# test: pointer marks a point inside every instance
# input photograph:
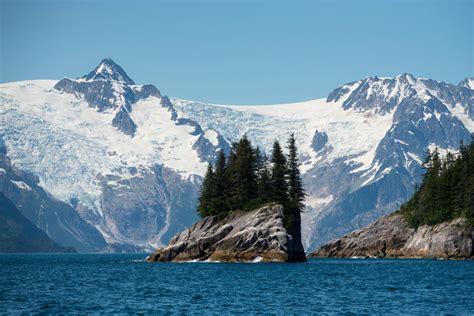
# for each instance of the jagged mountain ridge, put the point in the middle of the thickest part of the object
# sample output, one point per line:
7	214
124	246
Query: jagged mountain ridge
129	160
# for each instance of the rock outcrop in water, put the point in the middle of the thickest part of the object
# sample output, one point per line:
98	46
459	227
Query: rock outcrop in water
390	237
257	235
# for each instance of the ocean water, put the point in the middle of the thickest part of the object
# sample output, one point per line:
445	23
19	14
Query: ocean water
98	283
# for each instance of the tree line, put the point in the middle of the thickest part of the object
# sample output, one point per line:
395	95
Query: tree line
247	179
447	189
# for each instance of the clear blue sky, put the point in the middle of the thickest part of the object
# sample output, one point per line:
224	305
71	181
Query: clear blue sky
238	52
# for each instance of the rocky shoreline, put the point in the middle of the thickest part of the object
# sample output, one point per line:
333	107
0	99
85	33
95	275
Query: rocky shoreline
391	237
254	236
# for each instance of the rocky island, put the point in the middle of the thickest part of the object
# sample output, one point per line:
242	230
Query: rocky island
437	222
250	210
391	237
258	235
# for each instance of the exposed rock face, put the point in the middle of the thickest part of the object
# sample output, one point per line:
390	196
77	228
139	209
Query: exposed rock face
320	139
391	237
258	235
108	95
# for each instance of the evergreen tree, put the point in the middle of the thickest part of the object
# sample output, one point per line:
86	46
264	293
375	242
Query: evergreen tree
264	182
469	187
296	192
432	189
244	175
460	199
232	177
258	161
208	192
220	202
247	180
278	176
447	189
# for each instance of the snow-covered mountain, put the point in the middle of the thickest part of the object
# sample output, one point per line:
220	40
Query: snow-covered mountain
361	148
114	151
129	161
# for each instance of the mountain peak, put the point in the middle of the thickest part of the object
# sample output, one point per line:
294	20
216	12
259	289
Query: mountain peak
467	83
109	70
409	78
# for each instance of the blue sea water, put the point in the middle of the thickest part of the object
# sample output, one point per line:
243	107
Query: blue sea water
124	283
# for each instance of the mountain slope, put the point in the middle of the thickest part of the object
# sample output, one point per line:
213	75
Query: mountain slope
361	148
114	151
57	219
17	234
130	161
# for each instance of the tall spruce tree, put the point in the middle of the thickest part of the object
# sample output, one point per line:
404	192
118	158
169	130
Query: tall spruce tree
244	174
296	192
232	177
220	202
278	176
208	193
264	183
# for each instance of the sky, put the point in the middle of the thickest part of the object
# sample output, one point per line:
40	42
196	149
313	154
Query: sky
238	52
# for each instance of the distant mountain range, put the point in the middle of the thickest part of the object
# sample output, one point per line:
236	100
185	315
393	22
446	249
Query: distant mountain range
103	164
